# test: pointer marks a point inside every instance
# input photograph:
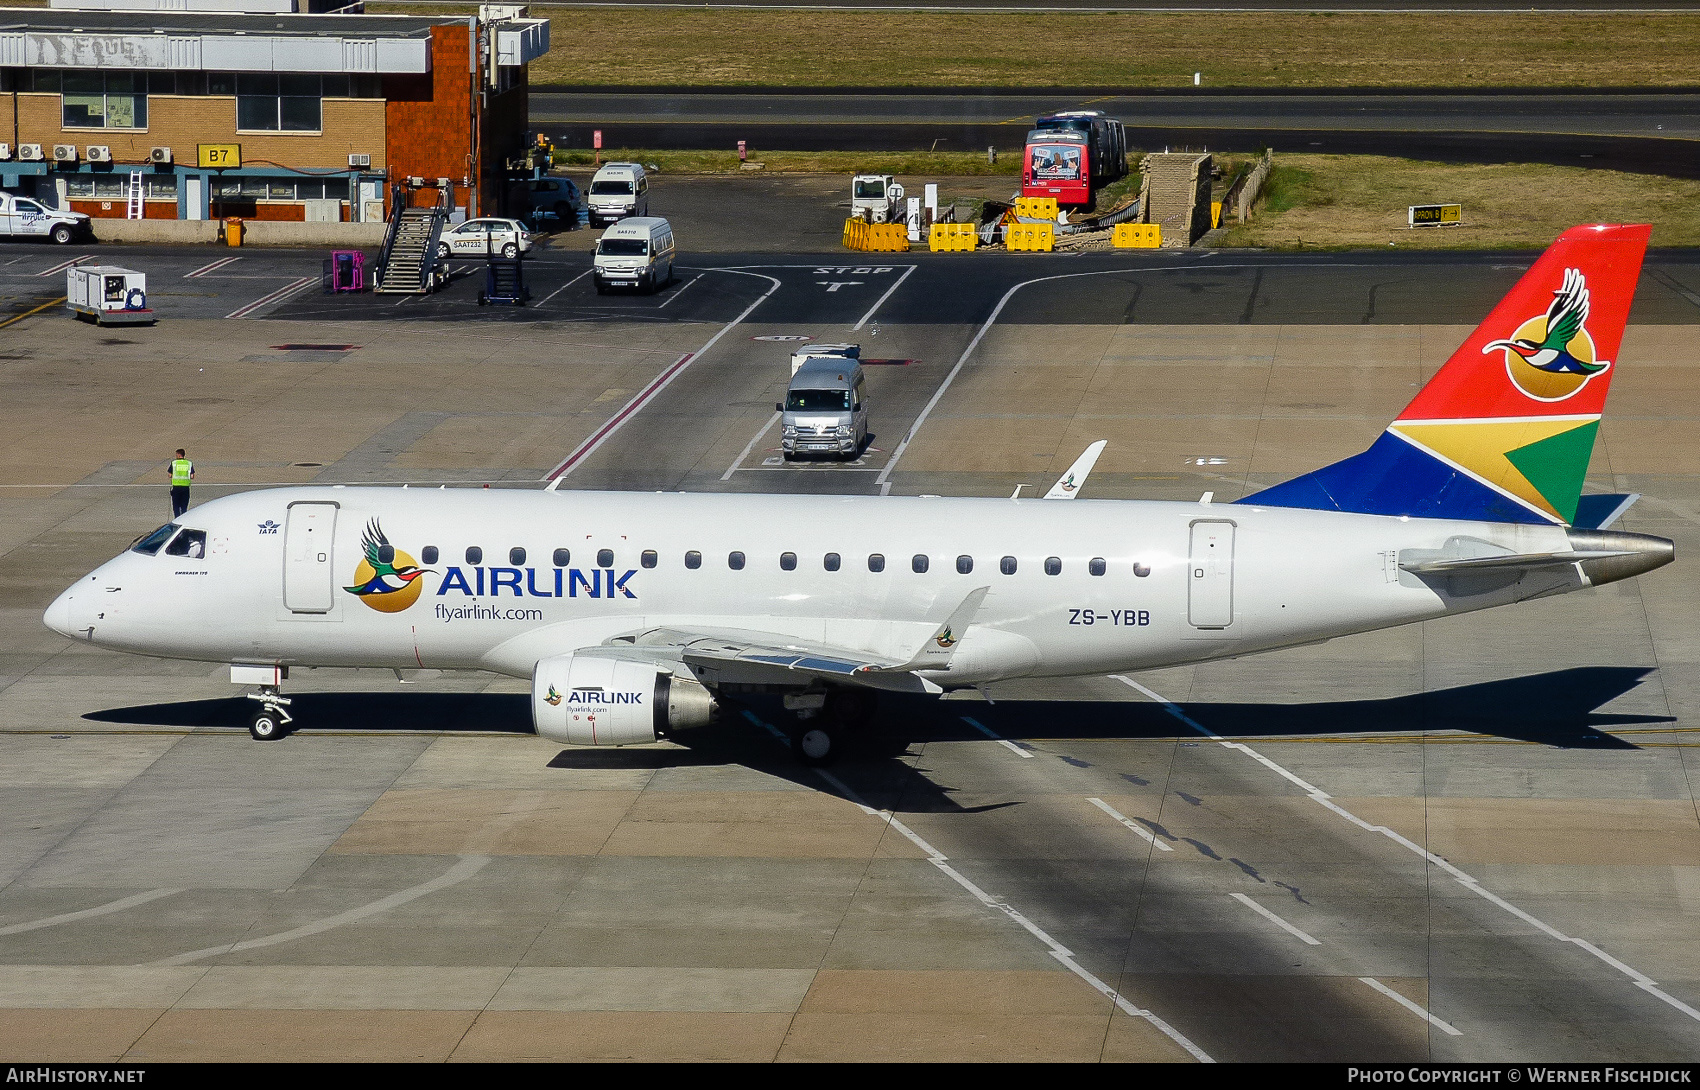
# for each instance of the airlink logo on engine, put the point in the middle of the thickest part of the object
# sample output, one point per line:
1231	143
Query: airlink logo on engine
601	696
565	582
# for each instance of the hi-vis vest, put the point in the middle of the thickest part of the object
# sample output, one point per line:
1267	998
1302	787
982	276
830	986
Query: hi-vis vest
181	470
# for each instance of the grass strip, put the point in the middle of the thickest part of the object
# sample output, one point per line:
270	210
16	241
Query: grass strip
1337	202
776	48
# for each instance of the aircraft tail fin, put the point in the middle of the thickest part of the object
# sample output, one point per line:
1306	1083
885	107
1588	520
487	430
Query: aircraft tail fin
1504	430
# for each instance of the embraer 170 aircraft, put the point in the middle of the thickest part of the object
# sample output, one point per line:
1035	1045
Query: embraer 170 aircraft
633	615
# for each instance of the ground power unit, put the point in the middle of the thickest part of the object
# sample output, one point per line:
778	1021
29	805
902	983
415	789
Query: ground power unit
108	295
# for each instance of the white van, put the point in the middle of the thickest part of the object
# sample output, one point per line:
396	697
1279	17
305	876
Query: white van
618	190
634	253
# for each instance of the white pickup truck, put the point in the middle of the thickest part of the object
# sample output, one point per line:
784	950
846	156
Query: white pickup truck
21	217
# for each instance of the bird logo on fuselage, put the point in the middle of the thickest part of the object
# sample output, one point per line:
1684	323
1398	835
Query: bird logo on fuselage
386	578
1551	357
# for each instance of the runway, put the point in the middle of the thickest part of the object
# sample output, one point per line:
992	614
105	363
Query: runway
1651	133
1468	840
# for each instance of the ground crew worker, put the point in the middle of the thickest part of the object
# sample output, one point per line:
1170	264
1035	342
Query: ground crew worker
182	472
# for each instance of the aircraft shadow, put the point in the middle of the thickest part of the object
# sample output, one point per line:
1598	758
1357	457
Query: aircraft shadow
1557	709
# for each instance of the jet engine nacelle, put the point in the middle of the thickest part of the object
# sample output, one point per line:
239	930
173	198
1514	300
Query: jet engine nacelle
594	701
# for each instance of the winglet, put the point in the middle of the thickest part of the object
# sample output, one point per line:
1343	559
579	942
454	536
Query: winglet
935	653
1068	485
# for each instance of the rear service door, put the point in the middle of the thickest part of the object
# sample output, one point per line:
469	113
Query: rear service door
1210	575
309	534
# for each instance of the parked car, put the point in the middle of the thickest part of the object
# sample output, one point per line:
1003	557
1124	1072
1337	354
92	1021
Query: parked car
558	197
21	217
485	237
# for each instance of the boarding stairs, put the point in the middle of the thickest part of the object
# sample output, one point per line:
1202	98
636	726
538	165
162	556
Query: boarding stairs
408	264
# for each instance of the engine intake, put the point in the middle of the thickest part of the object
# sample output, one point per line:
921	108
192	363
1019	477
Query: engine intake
594	701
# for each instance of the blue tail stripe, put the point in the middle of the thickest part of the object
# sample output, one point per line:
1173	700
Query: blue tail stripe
1393	477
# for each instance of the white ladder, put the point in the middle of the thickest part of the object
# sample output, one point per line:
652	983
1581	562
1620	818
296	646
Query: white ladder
134	209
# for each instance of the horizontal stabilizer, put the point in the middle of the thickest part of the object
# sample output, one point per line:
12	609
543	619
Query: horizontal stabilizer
1470	565
1599	512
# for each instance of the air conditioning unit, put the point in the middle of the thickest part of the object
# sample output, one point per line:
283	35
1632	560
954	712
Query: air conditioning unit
5	152
160	155
99	153
359	160
64	153
30	153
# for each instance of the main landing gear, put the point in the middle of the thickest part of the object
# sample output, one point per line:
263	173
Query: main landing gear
272	721
824	719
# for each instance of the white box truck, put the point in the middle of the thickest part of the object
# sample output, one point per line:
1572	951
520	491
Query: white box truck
108	295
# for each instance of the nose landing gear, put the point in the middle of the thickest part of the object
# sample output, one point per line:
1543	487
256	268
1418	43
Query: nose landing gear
272	721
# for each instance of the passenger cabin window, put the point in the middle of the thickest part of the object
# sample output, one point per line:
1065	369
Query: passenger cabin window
649	558
964	564
605	558
918	562
1141	570
149	544
735	561
876	562
562	557
516	556
474	555
788	561
832	561
693	560
1007	565
428	554
1096	565
1053	565
189	543
386	554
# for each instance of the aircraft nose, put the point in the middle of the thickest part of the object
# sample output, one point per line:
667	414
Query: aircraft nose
58	615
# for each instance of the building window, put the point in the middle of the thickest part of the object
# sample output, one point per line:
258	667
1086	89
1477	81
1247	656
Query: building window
100	100
162	186
273	103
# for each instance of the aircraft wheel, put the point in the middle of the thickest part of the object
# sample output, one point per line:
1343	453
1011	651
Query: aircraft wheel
851	708
266	726
813	743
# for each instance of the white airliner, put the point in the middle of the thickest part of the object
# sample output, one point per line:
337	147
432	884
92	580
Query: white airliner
633	614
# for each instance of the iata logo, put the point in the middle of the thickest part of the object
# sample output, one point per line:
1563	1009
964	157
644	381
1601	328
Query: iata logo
1551	357
387	579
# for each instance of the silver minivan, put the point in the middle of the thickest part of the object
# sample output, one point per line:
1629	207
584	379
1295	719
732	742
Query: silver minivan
618	190
825	410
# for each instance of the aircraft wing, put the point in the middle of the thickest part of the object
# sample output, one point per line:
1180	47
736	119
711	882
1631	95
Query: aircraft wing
741	656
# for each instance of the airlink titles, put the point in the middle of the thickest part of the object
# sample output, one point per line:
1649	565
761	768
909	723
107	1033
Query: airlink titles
523	582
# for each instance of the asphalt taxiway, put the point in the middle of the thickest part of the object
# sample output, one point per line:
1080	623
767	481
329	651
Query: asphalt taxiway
1474	839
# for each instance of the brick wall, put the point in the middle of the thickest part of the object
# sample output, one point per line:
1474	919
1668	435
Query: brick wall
351	125
427	119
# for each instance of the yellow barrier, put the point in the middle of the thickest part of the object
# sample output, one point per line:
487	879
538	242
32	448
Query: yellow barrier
1215	214
881	237
953	237
1137	236
1036	208
1038	237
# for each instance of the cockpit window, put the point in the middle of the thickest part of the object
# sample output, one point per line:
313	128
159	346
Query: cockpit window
149	545
189	543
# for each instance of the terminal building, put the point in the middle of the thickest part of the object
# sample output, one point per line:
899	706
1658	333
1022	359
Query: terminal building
264	109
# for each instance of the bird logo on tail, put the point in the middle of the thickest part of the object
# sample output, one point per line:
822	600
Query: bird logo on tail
1551	357
386	578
